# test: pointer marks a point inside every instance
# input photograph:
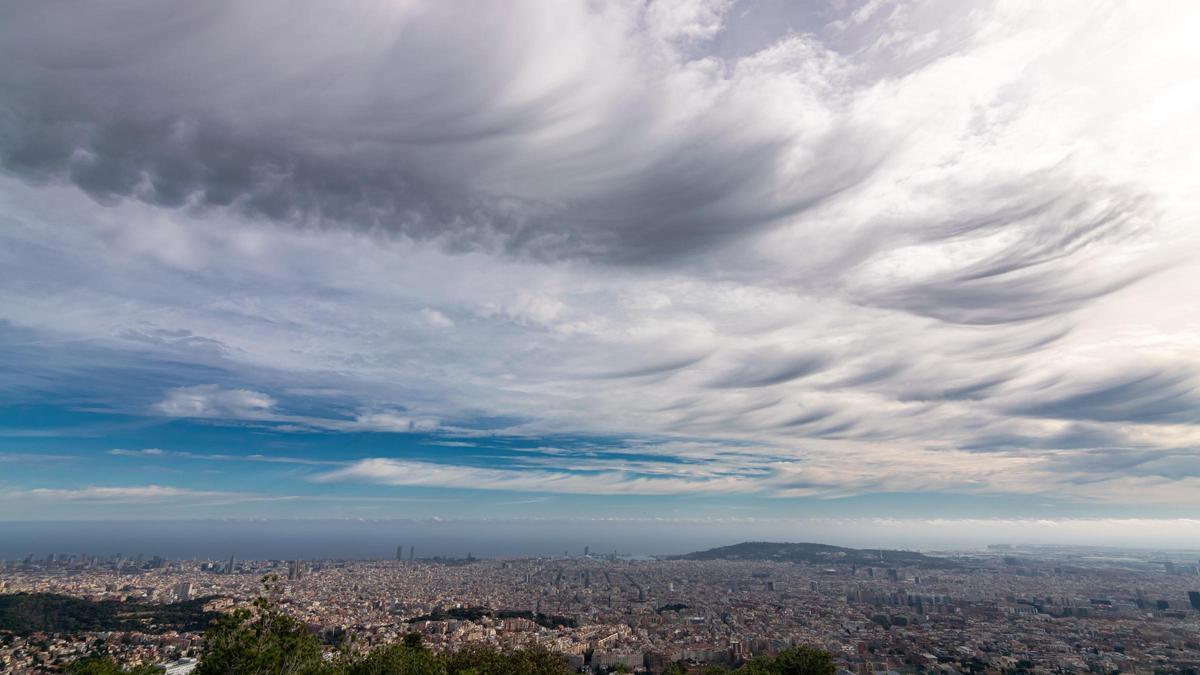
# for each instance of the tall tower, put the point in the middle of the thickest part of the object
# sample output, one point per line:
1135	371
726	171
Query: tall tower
400	552
232	565
412	552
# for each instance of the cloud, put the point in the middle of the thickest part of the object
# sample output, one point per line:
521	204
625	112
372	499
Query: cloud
436	319
32	458
135	494
210	400
918	247
214	401
426	474
762	368
156	453
471	139
1146	395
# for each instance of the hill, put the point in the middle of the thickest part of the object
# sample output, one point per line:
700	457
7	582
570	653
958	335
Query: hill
25	613
818	554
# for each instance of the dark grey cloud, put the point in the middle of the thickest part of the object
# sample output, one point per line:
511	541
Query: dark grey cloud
972	389
1150	395
657	368
809	417
1051	219
400	121
1077	436
770	367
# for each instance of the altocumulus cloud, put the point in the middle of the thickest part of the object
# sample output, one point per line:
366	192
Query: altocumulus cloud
897	247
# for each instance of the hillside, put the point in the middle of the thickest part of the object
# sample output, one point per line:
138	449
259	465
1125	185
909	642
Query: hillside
25	613
818	554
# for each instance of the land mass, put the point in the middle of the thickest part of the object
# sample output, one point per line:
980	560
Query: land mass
818	554
26	613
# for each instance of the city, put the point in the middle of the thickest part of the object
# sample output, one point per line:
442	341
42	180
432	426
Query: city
1004	609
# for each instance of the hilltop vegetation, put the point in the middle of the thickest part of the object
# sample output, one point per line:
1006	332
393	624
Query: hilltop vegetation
25	613
818	554
477	613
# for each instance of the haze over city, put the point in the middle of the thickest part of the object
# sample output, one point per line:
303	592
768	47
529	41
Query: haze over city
654	276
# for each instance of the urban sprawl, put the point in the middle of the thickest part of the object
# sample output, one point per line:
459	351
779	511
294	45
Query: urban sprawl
1000	610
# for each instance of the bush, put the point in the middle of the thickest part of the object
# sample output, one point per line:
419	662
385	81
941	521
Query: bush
103	665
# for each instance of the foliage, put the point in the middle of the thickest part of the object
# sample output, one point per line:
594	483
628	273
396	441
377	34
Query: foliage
261	642
26	613
672	607
544	620
480	661
477	613
103	665
408	657
794	661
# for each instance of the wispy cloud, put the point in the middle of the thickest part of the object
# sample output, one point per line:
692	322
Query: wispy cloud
211	401
221	457
135	494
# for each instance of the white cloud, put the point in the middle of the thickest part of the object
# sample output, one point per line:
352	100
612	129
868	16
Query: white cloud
427	474
135	494
157	453
210	400
436	319
213	401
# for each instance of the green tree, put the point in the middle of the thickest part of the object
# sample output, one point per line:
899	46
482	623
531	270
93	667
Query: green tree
407	657
104	665
793	661
483	661
261	642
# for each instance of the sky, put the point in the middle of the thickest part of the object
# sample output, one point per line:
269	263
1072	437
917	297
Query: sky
720	261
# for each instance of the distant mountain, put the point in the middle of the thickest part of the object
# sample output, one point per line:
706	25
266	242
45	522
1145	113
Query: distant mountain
818	554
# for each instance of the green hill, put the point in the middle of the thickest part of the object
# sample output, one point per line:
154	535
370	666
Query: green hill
819	554
25	613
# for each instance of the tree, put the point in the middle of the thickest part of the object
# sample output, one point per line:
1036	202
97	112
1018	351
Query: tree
104	665
407	657
261	642
482	661
793	661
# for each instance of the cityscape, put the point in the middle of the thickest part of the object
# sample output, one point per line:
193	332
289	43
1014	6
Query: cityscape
1000	609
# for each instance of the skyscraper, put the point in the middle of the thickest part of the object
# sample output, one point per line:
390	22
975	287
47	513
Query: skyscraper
412	552
232	567
1194	598
400	552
